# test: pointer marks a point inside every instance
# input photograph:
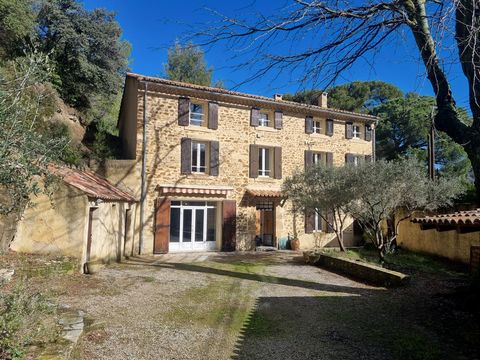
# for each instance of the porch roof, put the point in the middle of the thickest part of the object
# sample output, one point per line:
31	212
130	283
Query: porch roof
171	189
265	193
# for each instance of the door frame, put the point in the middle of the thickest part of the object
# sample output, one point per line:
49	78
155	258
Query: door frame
259	219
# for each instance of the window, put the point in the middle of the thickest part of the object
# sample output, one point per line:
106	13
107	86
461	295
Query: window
199	155
263	119
356	160
196	114
317	158
356	131
264	162
318	221
317	126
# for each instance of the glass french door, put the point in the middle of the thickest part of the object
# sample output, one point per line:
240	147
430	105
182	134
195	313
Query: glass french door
192	226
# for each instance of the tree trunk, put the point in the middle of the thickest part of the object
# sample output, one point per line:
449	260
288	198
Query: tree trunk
340	241
447	118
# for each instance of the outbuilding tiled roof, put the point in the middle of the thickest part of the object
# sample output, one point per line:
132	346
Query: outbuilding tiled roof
91	184
469	217
229	94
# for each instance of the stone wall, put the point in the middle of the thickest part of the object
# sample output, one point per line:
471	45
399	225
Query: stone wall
234	134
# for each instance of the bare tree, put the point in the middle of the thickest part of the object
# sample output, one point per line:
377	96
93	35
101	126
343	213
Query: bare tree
328	37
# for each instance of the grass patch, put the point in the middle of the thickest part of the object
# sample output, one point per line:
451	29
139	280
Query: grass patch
402	260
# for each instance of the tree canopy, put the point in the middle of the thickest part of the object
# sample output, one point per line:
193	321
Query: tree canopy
187	64
90	57
322	39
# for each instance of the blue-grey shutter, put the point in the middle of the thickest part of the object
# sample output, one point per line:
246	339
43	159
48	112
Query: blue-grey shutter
348	130
309	125
349	158
186	156
253	168
308	159
183	111
277	160
329	127
278	120
329	156
213	115
214	158
254	117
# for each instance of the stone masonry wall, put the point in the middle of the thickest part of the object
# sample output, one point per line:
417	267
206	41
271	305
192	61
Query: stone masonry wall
234	134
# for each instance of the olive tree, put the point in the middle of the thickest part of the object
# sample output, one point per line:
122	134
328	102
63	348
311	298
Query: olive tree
325	190
385	187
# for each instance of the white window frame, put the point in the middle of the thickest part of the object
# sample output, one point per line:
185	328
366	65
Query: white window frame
317	129
317	158
194	121
197	169
356	131
262	165
318	222
204	206
264	121
356	160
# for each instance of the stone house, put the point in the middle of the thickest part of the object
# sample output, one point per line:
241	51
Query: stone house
210	163
87	217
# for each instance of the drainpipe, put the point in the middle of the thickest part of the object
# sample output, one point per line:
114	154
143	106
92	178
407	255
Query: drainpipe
374	156
144	170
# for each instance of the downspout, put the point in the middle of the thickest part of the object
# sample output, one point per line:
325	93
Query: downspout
144	169
374	156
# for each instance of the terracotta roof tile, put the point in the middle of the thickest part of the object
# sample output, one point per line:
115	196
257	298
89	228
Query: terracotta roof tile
265	193
292	104
469	217
91	184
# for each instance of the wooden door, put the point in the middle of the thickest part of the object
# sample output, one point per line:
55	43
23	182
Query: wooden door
162	226
229	226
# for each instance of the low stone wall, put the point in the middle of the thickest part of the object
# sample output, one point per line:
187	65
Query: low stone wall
371	274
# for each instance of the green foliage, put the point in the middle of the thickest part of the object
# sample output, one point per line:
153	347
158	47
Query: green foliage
383	187
358	96
90	57
403	132
27	144
24	320
17	25
187	64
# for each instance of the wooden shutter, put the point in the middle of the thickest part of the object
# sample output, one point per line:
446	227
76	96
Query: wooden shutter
277	158
213	115
162	226
349	158
368	132
330	219
183	111
253	161
278	120
308	159
368	158
186	156
229	225
254	116
348	130
329	127
309	222
214	158
329	156
309	125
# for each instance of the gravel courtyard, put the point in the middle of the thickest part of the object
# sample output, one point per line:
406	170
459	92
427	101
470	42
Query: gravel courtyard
260	306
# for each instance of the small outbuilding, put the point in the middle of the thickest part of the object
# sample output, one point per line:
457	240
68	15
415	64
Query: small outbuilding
87	217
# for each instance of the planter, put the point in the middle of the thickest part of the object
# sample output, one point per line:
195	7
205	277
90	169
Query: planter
295	244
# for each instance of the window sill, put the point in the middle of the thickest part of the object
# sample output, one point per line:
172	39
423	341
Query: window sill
319	135
196	174
264	179
266	128
199	128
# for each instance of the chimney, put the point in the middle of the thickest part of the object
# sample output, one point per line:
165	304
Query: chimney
323	99
277	97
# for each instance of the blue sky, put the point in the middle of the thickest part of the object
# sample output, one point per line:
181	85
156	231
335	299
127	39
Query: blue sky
152	26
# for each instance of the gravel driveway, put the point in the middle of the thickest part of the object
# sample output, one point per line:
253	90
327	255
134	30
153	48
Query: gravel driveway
257	306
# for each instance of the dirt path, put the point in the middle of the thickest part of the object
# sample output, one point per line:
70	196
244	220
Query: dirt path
259	306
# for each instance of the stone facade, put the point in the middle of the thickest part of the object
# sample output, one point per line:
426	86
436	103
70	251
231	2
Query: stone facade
234	135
